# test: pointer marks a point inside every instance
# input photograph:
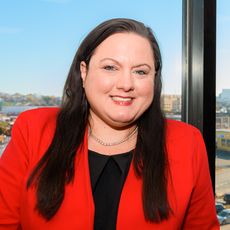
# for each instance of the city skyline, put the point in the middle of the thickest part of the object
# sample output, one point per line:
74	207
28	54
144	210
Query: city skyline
223	91
38	40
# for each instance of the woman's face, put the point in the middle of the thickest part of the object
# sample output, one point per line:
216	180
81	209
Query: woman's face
119	81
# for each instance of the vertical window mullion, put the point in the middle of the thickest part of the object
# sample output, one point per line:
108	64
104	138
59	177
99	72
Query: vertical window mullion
198	64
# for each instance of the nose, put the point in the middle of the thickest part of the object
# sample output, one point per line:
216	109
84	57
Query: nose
125	81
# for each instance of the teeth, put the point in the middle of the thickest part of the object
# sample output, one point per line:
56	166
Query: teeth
121	99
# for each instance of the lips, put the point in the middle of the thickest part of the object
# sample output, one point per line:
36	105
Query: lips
120	100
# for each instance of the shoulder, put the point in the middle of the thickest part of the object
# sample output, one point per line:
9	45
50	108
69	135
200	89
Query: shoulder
38	115
184	142
36	119
33	131
178	130
42	113
185	146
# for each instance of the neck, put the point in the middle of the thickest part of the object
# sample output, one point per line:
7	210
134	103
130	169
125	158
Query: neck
119	139
108	131
117	142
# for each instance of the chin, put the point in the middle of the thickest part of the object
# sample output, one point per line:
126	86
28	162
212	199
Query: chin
123	121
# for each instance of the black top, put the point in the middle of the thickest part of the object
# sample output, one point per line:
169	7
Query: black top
108	174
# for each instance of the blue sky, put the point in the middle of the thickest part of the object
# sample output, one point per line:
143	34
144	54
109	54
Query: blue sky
223	45
38	38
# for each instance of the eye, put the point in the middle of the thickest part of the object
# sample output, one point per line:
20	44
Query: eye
140	72
109	68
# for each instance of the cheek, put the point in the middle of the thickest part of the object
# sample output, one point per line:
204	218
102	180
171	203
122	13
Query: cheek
149	96
146	90
99	83
146	94
105	85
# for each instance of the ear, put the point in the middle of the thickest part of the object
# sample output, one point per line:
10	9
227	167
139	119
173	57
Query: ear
83	69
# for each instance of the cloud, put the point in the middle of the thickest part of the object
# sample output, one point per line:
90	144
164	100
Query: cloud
9	30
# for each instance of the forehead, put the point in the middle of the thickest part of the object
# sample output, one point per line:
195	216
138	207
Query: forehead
125	46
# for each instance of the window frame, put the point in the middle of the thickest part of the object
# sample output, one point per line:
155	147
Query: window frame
199	71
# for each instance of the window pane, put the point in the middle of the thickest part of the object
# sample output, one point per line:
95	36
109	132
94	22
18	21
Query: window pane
36	52
223	106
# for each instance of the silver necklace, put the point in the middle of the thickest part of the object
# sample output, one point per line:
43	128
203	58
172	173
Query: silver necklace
112	143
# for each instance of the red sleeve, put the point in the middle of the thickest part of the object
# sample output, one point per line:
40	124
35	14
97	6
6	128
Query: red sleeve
13	166
201	213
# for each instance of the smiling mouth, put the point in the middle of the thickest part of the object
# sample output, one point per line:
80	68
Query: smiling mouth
125	99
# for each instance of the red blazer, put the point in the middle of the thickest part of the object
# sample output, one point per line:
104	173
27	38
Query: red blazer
190	192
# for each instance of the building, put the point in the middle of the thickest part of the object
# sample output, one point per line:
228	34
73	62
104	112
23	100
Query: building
1	103
222	121
223	139
171	103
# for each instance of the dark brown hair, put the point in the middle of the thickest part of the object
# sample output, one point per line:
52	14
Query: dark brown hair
56	168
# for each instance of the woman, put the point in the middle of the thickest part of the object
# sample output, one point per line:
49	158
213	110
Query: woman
107	159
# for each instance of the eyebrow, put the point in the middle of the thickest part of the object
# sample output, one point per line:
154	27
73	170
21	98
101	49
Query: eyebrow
111	59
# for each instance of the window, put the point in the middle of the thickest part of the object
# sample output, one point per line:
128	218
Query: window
36	52
223	101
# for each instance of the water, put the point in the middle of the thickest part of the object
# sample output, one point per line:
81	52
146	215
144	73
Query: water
16	109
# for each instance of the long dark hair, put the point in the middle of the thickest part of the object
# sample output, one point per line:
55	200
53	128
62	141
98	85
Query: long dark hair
56	167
